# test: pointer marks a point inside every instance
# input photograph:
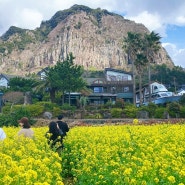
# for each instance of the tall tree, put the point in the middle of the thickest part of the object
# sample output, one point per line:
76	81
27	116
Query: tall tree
49	84
71	76
132	45
52	82
64	76
21	84
140	63
141	49
152	46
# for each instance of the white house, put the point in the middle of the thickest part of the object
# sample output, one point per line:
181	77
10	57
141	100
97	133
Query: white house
181	92
4	79
42	73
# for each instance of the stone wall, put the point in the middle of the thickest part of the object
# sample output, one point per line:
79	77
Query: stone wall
88	122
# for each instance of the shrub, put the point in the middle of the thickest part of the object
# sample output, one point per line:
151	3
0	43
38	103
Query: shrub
119	103
6	109
130	111
17	113
151	109
159	112
66	106
94	116
48	106
98	116
6	120
35	109
116	112
182	100
173	109
108	105
182	112
56	111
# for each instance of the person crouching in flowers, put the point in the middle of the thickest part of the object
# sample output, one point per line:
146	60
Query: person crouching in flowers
55	136
26	130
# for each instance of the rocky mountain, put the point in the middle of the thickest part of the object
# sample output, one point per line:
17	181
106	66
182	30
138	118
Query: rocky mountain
94	36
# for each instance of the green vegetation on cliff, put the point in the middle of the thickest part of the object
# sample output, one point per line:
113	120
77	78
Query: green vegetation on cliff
23	37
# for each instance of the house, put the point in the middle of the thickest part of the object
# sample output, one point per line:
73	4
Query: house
181	92
113	85
4	80
42	73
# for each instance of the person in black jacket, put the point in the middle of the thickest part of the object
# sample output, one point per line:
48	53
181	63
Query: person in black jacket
54	136
62	125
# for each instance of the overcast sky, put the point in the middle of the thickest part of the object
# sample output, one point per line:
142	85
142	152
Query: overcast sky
166	17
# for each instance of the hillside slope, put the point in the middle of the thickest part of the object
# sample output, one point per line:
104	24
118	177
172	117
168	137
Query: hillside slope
94	36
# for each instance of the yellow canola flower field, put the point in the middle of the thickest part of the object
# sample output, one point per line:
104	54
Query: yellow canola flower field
126	155
97	155
28	161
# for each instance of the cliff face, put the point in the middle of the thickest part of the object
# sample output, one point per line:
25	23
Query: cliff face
95	37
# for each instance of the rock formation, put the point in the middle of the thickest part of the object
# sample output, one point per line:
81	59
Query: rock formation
94	36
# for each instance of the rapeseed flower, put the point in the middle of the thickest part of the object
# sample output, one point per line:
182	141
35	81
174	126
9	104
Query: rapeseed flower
171	179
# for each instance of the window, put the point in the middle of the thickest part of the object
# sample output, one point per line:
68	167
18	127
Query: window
98	89
98	82
113	90
125	89
155	88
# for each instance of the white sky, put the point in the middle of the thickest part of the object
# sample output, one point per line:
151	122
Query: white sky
166	17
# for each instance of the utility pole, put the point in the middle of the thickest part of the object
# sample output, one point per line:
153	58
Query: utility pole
149	81
174	84
134	79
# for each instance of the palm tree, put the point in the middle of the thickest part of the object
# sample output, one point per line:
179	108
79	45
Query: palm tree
132	45
48	84
140	63
152	46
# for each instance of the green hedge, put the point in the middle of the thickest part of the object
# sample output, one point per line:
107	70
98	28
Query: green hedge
11	118
116	112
